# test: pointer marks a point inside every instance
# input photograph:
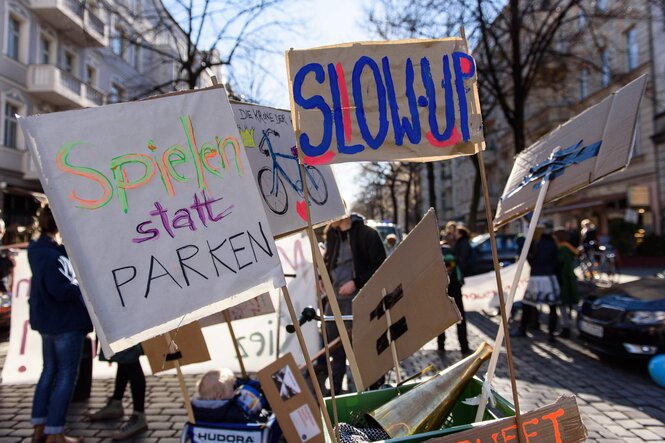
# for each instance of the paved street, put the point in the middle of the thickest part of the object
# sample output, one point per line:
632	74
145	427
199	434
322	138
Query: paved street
618	400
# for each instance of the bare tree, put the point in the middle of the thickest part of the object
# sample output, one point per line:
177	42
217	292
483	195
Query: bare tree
194	36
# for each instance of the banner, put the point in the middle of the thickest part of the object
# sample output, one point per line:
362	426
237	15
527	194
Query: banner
592	145
414	100
157	209
270	144
479	291
257	336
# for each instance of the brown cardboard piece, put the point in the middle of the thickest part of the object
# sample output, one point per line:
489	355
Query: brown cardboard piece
612	122
260	305
339	88
291	401
191	344
554	423
419	313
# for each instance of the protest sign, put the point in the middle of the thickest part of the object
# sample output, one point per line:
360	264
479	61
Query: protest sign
190	343
553	423
158	210
270	144
291	401
597	142
413	100
480	291
257	336
415	281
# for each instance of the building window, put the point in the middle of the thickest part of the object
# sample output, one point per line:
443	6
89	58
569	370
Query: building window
605	68
601	5
633	50
11	126
90	75
582	20
45	45
117	94
584	84
13	38
69	61
119	43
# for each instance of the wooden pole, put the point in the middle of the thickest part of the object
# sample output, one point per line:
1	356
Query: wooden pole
393	346
489	376
227	318
326	350
278	335
181	380
308	362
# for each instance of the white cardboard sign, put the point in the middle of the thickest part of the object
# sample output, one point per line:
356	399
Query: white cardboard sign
270	143
158	209
592	145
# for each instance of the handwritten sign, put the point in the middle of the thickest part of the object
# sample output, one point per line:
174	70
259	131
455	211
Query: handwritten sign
270	143
480	293
412	286
554	423
413	100
158	209
594	144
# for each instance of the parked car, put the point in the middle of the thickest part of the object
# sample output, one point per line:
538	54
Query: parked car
481	253
626	320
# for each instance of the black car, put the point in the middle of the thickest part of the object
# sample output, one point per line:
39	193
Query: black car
481	253
626	320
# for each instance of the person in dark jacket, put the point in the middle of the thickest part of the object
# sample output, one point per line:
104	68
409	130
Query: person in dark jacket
543	286
455	282
354	251
57	312
462	248
567	279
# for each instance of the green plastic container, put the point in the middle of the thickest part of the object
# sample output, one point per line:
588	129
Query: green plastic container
351	409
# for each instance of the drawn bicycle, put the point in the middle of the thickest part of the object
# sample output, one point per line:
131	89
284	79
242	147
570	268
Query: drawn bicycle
271	180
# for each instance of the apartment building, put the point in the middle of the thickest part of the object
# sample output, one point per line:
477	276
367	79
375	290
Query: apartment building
58	55
619	50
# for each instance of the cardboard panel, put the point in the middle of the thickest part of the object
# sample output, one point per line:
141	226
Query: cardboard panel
260	305
190	342
374	101
268	137
158	210
597	142
554	423
293	404
419	313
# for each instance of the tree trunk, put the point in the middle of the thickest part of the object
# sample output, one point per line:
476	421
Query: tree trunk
393	198
407	200
431	185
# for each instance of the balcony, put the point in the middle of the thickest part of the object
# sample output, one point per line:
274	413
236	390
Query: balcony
52	84
74	20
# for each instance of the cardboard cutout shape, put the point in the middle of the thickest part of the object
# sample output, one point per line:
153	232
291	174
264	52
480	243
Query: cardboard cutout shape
191	347
415	282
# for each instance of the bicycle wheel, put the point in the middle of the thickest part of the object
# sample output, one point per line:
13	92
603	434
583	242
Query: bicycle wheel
273	191
316	186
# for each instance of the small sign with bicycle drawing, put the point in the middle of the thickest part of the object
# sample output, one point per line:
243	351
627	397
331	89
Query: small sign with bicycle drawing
269	141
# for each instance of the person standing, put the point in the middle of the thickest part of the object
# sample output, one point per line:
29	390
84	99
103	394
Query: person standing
354	251
543	286
57	312
450	234
455	282
462	249
567	279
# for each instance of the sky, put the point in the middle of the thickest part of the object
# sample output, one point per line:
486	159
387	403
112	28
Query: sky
326	22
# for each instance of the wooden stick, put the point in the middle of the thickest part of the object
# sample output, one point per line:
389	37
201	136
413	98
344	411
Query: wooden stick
326	349
308	362
333	344
227	317
393	346
181	380
279	324
502	304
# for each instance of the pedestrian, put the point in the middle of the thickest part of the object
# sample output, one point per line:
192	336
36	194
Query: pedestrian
462	249
391	243
6	262
455	283
543	286
129	371
57	312
354	251
567	279
588	235
450	234
573	233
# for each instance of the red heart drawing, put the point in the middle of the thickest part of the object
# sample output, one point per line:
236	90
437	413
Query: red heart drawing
301	209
